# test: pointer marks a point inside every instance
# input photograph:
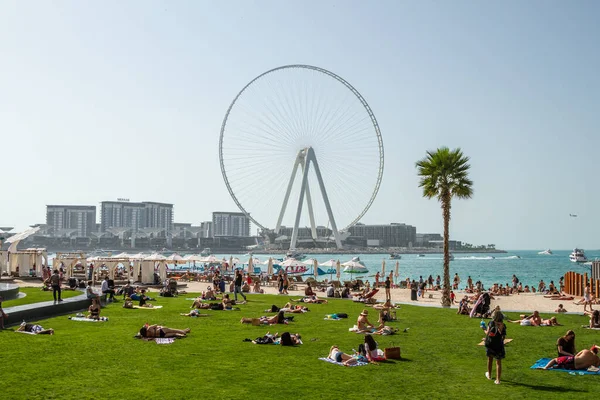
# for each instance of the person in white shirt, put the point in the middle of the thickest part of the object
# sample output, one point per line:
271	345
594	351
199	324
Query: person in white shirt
107	290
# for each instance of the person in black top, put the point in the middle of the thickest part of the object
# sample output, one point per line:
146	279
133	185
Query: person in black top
388	285
238	285
55	282
566	344
494	345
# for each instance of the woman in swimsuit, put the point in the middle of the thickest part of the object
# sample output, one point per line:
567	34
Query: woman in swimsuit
337	355
158	331
94	309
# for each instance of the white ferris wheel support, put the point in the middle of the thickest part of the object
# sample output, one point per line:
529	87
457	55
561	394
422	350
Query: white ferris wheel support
304	159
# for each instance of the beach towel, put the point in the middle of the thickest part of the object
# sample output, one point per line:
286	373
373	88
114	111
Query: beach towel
482	343
83	319
541	363
29	333
588	327
329	360
164	340
355	330
147	308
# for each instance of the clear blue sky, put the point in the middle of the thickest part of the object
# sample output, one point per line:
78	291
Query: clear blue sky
100	100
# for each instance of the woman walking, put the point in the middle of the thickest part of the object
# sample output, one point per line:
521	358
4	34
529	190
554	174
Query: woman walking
494	345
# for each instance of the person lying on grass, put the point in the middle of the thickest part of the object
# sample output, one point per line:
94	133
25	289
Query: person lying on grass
158	331
337	355
385	306
279	318
529	320
594	318
34	328
194	313
286	339
291	308
583	360
310	299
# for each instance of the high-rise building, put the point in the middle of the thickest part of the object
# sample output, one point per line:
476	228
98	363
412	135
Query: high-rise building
230	224
392	235
124	214
206	229
70	220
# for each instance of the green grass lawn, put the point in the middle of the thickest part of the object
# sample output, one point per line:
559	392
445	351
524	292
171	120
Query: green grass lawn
440	358
35	295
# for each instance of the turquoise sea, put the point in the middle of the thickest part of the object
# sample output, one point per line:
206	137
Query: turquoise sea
489	268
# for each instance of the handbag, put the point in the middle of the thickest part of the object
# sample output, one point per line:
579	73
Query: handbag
392	353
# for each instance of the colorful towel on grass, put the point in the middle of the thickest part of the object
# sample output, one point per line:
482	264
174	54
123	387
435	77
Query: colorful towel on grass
541	363
147	308
164	340
329	360
83	319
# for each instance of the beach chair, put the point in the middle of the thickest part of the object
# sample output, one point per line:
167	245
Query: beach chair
368	298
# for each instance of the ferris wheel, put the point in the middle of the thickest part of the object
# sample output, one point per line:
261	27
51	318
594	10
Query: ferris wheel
294	132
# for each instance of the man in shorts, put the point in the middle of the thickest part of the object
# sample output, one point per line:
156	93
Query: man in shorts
583	360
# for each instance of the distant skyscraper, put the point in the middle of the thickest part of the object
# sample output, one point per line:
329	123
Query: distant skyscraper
64	220
147	214
206	229
230	224
392	235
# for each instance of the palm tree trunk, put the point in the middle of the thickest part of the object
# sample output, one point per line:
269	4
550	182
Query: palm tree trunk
446	214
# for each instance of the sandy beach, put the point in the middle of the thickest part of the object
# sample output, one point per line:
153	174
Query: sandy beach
524	302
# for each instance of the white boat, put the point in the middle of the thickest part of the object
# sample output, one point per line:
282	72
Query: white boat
206	252
547	252
295	255
578	256
395	256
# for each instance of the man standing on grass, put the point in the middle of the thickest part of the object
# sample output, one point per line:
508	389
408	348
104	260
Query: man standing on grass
55	283
238	285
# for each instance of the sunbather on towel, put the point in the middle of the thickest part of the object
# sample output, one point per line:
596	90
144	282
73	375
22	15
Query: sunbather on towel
94	309
34	328
193	313
279	318
158	331
291	308
310	299
531	320
582	360
363	323
385	306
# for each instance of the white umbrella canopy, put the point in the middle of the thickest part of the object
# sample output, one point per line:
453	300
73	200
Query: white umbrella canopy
310	261
138	256
270	266
210	259
192	257
155	257
91	259
331	263
396	274
292	262
121	255
175	259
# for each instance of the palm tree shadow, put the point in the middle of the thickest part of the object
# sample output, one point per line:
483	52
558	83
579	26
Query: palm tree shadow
545	388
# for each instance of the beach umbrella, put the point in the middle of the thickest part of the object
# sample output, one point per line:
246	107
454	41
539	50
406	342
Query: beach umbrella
174	259
330	264
121	255
338	268
397	269
309	262
383	267
155	257
250	266
231	262
316	268
292	262
270	267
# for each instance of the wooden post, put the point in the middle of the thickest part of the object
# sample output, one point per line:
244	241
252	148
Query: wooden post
568	288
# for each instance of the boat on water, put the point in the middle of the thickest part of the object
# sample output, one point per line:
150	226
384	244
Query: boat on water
578	256
547	252
206	252
395	256
421	255
295	255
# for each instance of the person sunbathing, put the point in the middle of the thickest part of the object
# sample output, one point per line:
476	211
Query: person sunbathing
550	322
337	355
158	331
594	318
35	329
531	320
94	310
208	294
310	299
560	309
292	308
363	323
193	313
308	292
385	306
583	360
278	318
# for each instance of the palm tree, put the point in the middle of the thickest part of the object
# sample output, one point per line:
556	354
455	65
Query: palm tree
445	174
